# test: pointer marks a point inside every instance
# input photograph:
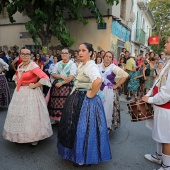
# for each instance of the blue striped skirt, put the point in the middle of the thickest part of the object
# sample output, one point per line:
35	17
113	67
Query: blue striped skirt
82	135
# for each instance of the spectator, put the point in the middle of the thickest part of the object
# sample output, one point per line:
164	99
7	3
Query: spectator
159	68
126	56
122	64
3	56
11	71
15	53
122	56
98	60
114	61
53	68
149	77
47	64
147	57
139	60
58	55
39	62
133	84
102	53
162	56
151	54
78	61
50	53
129	64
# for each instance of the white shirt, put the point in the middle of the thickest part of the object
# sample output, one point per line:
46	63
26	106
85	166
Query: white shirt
3	64
52	69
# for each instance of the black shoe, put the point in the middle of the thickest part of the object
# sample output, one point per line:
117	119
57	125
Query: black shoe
128	98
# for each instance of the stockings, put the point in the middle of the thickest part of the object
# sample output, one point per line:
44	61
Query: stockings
159	150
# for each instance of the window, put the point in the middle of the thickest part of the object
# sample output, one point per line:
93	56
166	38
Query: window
123	9
143	24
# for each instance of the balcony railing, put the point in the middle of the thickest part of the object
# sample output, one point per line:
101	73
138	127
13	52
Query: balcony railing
140	36
142	4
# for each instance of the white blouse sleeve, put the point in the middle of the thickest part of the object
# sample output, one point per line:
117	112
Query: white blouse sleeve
73	70
119	72
164	94
4	65
92	72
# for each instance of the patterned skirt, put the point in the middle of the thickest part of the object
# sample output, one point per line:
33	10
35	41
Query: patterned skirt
82	134
57	100
4	91
27	117
116	111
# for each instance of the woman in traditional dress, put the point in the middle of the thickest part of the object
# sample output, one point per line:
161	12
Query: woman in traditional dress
4	89
109	90
27	119
82	134
62	86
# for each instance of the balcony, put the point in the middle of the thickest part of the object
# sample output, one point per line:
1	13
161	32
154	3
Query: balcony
140	36
142	4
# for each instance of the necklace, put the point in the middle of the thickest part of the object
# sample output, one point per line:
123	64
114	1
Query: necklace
26	64
105	65
66	61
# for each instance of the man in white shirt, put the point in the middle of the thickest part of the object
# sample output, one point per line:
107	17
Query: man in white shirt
51	55
159	96
52	69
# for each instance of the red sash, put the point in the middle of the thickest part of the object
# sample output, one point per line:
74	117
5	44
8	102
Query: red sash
166	105
19	61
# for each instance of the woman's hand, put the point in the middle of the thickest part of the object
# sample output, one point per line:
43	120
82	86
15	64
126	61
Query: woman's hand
32	86
115	86
58	85
64	77
154	76
89	94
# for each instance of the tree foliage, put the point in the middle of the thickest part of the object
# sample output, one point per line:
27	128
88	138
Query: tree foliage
161	12
47	16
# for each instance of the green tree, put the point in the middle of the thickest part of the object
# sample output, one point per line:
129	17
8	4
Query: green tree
47	16
161	13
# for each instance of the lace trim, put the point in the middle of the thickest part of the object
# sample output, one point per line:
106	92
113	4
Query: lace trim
45	82
6	67
14	78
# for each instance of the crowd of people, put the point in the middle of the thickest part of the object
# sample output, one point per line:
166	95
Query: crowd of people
142	70
80	93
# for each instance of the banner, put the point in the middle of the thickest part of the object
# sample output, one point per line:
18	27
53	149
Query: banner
153	40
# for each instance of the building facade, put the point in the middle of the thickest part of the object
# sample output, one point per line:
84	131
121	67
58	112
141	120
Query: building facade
115	34
142	27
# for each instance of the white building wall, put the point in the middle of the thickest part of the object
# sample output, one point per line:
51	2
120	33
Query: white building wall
145	23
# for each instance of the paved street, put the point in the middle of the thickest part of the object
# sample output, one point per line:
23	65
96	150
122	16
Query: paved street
128	145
